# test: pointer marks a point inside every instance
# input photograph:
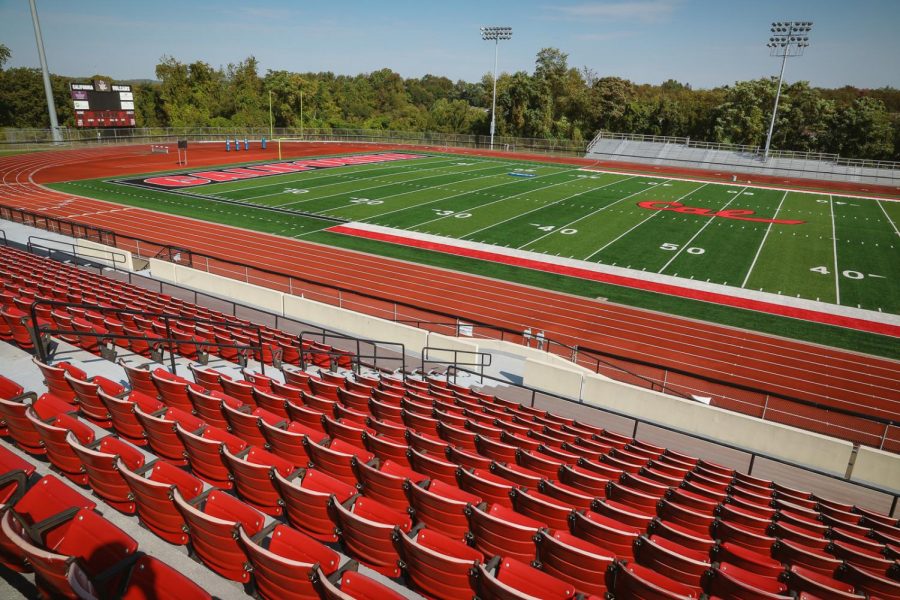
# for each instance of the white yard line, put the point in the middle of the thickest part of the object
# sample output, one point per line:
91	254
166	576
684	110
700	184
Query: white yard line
393	183
763	242
687	244
590	214
527	212
479	190
655	213
504	199
894	225
837	273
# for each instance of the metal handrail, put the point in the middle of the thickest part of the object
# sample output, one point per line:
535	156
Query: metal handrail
114	257
358	356
167	318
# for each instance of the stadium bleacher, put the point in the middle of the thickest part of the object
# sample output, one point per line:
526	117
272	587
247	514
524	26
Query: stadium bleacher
326	482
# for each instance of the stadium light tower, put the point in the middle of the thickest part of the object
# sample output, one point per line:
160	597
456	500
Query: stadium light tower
48	90
496	34
789	38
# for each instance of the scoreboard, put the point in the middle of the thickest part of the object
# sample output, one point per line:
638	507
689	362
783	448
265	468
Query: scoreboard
101	104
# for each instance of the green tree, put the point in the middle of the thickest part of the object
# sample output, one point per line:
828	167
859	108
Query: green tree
862	130
5	55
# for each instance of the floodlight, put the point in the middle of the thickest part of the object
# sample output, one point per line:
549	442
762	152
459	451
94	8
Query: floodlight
495	34
785	43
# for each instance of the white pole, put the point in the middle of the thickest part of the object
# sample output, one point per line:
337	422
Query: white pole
494	102
270	114
301	114
48	89
775	108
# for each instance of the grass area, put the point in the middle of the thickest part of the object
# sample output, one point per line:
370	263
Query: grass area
844	251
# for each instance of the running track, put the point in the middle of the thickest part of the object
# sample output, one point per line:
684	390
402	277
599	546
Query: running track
830	376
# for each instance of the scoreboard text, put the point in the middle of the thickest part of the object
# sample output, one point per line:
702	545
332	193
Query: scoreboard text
100	104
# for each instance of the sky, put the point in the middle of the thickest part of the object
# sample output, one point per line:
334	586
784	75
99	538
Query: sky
705	43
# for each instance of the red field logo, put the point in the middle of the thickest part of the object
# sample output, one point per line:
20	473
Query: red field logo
734	213
178	181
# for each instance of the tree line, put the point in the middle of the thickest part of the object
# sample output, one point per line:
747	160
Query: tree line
555	101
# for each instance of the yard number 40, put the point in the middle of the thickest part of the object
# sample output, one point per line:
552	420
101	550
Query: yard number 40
848	273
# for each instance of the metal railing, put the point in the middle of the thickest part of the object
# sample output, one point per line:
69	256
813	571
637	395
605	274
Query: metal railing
535	396
358	358
111	259
757	151
171	342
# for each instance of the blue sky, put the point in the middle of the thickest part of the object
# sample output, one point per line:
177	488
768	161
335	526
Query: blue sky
702	42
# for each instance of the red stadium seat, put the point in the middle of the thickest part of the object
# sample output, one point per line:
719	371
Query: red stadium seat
207	404
348	584
139	378
385	482
47	497
152	578
53	437
432	466
55	380
172	389
366	529
541	508
792	553
436	564
385	447
874	584
284	563
569	558
516	475
605	532
205	455
335	458
305	500
161	435
489	487
681	535
121	414
500	530
88	401
152	494
805	581
506	578
85	547
749	560
672	560
253	474
245	421
631	580
101	466
442	507
724	581
213	525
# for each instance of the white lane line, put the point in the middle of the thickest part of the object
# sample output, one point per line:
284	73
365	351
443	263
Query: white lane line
891	221
763	242
655	213
687	244
837	273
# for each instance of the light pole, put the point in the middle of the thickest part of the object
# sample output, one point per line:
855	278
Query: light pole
48	89
789	38
496	34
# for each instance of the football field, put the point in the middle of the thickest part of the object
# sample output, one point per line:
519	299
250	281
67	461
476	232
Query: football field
816	246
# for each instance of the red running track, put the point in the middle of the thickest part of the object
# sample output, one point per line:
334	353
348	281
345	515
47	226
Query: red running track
830	376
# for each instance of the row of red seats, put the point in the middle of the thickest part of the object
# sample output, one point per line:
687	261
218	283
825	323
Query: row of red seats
358	471
170	502
52	530
25	278
332	424
202	451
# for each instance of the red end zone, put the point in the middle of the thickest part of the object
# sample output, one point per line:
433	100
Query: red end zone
631	282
